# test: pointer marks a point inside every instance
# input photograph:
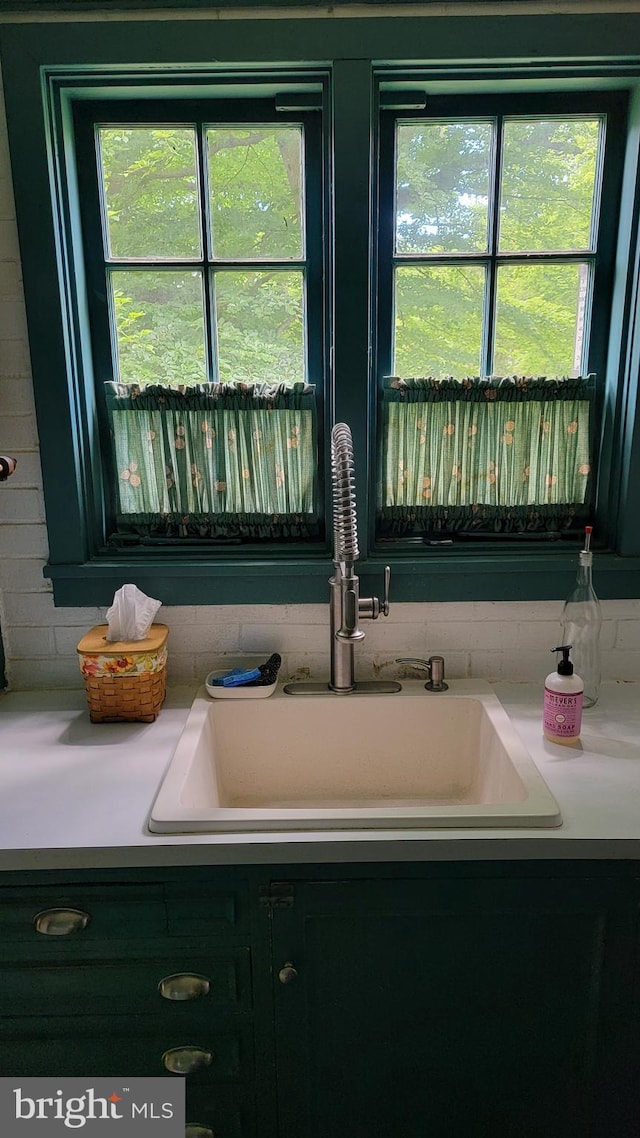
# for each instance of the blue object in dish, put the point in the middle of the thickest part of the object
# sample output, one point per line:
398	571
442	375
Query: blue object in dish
236	678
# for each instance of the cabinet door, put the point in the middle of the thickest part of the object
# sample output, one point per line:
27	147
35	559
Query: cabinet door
479	1008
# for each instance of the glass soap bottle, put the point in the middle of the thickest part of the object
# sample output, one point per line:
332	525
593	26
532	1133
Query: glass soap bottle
581	622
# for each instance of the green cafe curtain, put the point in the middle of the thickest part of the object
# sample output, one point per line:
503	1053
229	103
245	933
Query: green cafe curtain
499	454
221	461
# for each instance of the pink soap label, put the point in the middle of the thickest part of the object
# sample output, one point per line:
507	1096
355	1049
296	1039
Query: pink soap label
562	713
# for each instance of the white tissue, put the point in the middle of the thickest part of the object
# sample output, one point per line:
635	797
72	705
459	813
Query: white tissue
131	614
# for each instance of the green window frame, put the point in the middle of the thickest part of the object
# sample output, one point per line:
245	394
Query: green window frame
208	514
493	114
352	63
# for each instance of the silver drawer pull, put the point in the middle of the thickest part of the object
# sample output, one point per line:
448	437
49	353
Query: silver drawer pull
185	1060
184	986
287	973
60	922
195	1130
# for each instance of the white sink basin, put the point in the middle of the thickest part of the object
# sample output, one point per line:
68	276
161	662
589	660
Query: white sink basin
413	759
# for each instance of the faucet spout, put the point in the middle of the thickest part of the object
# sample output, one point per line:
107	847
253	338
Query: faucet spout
346	607
344	598
343	476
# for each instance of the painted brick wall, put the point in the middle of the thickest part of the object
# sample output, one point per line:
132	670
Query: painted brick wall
492	640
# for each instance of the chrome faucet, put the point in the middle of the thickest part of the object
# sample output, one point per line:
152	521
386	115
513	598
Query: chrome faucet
346	607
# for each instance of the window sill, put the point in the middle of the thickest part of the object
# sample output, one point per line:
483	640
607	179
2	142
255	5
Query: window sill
525	575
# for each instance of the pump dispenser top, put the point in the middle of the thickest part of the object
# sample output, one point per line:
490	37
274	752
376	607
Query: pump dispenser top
565	667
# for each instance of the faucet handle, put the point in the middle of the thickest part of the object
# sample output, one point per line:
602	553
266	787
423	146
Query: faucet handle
372	607
384	608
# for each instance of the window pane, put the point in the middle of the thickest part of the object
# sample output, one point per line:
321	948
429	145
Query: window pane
548	184
255	191
159	319
540	319
150	190
442	187
260	327
438	320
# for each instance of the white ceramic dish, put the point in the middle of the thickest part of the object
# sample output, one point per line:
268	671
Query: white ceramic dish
242	692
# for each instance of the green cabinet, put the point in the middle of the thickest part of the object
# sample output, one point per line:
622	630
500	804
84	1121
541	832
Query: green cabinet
393	1001
489	1008
131	974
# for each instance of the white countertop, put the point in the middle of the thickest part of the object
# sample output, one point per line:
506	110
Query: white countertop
77	795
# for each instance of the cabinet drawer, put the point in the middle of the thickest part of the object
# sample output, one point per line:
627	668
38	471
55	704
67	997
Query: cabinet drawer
159	984
101	913
74	914
200	909
122	1047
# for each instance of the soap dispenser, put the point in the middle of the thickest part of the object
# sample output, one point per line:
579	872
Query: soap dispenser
563	693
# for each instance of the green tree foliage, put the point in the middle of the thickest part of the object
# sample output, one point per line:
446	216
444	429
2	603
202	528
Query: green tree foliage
538	308
438	319
442	187
253	215
255	179
155	218
259	317
548	182
159	326
150	189
443	207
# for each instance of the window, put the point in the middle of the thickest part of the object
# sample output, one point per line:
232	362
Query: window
414	259
205	305
496	254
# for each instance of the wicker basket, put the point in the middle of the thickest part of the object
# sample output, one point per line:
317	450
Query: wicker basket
124	680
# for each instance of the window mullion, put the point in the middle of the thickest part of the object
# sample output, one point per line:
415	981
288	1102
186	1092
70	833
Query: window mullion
491	281
352	132
208	294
